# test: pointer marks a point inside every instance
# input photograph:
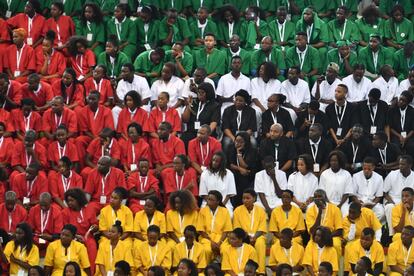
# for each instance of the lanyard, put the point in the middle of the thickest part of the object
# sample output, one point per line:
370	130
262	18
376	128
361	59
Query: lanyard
408	254
343	30
181	222
153	258
189	252
274	117
103	181
81	215
200	109
213	220
281	28
146	28
96	114
309	30
311	118
1	141
132	112
98	86
230	25
29	25
164	114
10	220
79	64
238	119
325	213
143	183
66	181
402	113
8	4
288	254
44	220
60	151
110	147
240	258
375	59
118	27
320	251
383	154
29	159
340	117
88	25
19	57
133	153
29	186
179	186
58	33
314	149
269	58
58	122
354	152
204	157
252	220
302	56
373	113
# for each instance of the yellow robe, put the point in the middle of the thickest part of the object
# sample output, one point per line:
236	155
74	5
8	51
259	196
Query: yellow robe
235	259
148	256
354	251
399	255
196	254
396	215
177	224
292	256
294	220
32	257
108	217
141	222
313	258
109	257
367	219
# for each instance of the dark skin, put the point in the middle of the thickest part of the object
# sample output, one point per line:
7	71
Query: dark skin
114	237
301	166
47	50
345	53
119	14
301	42
69	80
178	206
34	83
4	85
380	144
163	134
98	74
202	136
402	104
57	106
28	144
155	59
30	11
273	105
368	170
210	43
45	204
55	13
331	75
134	137
106	142
248	202
116	202
177	52
240	104
286	243
321	204
172	18
236	65
74	205
19	238
89	14
406	238
93	103
18	40
143	172
235	242
275	133
242	167
309	20
366	243
407	200
397	17
340	97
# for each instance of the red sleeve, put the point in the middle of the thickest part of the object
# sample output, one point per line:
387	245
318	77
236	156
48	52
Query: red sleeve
54	185
167	177
4	31
109	120
8	57
57	221
116	150
48	91
46	121
179	146
152	123
132	181
90	59
93	148
16	186
90	183
13	22
41	151
17	154
31	63
192	153
73	122
177	121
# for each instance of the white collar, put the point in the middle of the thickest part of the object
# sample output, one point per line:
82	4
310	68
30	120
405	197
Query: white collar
117	21
202	25
300	52
315	143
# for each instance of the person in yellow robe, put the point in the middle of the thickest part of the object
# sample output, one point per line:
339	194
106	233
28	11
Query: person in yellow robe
286	251
287	216
358	219
64	250
183	213
320	249
400	254
324	213
116	211
235	256
113	250
325	269
252	219
403	214
213	224
21	253
190	249
366	246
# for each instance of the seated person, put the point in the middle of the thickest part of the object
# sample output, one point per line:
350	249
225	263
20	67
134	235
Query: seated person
173	28
163	113
396	261
14	211
81	59
113	58
358	219
40	92
70	89
149	64
25	118
99	82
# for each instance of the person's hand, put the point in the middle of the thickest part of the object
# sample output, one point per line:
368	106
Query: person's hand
193	86
244	171
179	55
320	79
406	206
307	123
339	142
368	205
47	237
350	220
269	212
79	238
13	259
190	100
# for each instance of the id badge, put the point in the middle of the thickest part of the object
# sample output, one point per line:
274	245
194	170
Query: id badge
142	202
316	167
102	200
339	131
42	241
89	37
16	73
147	46
110	273
26	200
182	239
123	1
134	167
373	130
60	44
277	165
197	125
21	272
30	41
404	134
80	77
203	168
257	46
8	14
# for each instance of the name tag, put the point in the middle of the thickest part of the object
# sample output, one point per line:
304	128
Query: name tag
373	130
339	131
257	46
102	200
42	241
142	202
109	273
16	73
147	46
251	235
134	167
123	1
316	167
80	77
8	14
30	41
26	200
197	125
404	134
203	168
182	239
277	165
60	44
89	37
21	272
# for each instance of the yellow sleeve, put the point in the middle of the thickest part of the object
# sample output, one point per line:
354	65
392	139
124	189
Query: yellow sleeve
346	224
139	258
375	222
170	222
176	255
137	219
333	259
167	261
83	257
396	214
162	225
8	250
101	256
129	220
227	227
349	255
392	254
236	219
202	261
273	221
33	257
308	256
337	219
226	256
253	254
378	253
128	256
103	224
311	215
201	225
301	221
272	257
300	253
50	254
262	220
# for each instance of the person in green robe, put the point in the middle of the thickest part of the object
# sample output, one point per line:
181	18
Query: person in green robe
370	23
282	31
325	9
70	8
267	6
294	8
10	8
268	53
351	5
343	56
210	58
108	6
403	60
178	5
113	58
386	7
228	23
316	30
305	56
149	64
210	5
398	30
374	56
173	28
240	5
147	28
200	27
124	29
183	60
91	26
254	27
236	50
342	28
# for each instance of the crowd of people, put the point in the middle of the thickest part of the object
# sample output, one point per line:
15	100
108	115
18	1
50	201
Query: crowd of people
222	137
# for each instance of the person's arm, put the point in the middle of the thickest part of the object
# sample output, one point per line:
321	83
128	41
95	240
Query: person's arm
168	39
172	236
317	221
222	99
88	161
398	228
60	202
265	203
229	134
259	105
388	198
378	269
343	200
396	268
286	167
134	194
180	67
348	67
102	269
309	270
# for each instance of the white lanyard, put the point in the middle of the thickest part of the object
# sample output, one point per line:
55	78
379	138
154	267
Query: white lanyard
179	186
252	220
373	116
29	25
274	117
189	253
240	258
60	151
354	152
133	153
80	64
146	28
276	152
342	115
325	214
213	220
181	222
10	220
103	181
269	58
281	28
200	109
29	159
164	114
302	56
44	220
397	27
320	251
153	258
118	27
312	119
314	152
66	182
98	86
29	186
1	141
143	183
238	119
81	215
402	113
58	122
230	25
204	157
88	25
112	61
19	57
383	154
375	59
309	30
110	146
343	30
96	114
8	4
406	257
288	253
58	32
132	113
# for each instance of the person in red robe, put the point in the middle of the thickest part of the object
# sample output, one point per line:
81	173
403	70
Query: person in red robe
26	118
4	41
202	148
6	148
62	147
19	58
102	84
40	92
71	90
163	114
61	24
82	59
101	182
104	145
50	64
32	21
180	177
132	112
11	213
46	221
29	185
141	185
83	217
165	148
61	182
7	121
91	120
134	149
11	91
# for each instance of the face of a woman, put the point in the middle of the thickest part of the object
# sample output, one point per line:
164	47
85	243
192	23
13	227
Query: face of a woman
212	201
46	46
132	133
88	13
72	203
239	142
183	269
70	270
115	200
54	11
239	102
80	48
113	233
153	238
202	95
302	167
178	204
19	234
228	16
33	272
61	136
66	237
110	49
248	199
216	161
211	272
234	240
149	207
67	79
334	163
178	164
119	13
261	71
62	167
318	236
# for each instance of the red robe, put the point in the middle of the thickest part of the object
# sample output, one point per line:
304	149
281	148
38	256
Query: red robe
164	152
125	118
5	37
57	64
54	152
64	24
88	122
21	124
95	150
76	96
14	92
6	151
141	185
21	20
157	116
58	186
141	150
82	64
173	182
103	86
6	119
24	188
41	97
68	118
27	61
53	222
209	149
19	156
19	214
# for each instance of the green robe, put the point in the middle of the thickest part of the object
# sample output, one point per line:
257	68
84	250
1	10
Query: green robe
386	6
96	33
16	6
402	64
333	56
245	56
213	63
366	29
223	31
322	6
240	5
289	32
265	5
312	60
180	28
251	39
258	57
366	58
352	5
211	27
179	5
152	34
399	33
319	30
128	33
143	64
302	4
115	70
351	31
107	6
209	4
70	7
186	62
